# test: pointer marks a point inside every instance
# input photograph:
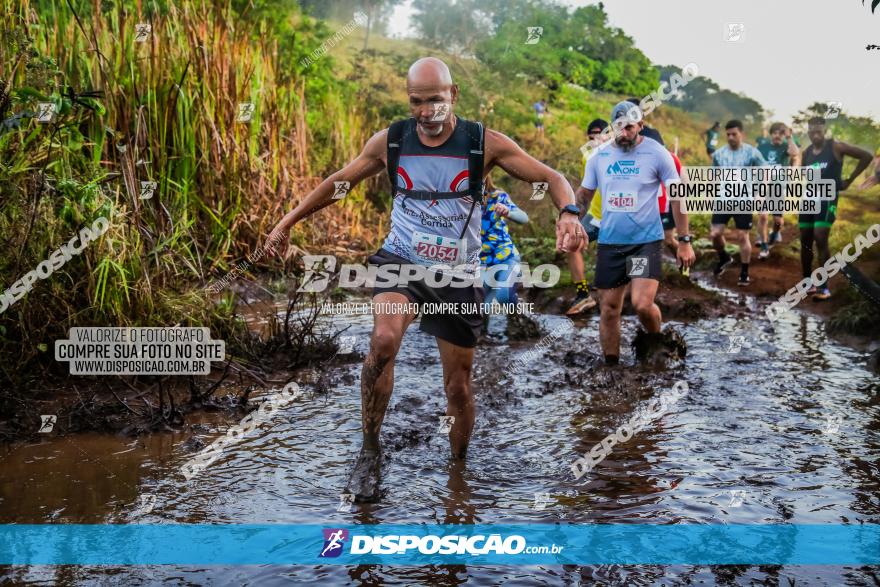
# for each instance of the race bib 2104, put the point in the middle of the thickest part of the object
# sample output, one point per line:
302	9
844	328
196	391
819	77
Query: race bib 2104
621	202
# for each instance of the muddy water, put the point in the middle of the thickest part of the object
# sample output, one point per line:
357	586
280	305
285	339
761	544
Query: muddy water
780	425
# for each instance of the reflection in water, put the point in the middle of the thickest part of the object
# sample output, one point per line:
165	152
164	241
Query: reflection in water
459	508
749	443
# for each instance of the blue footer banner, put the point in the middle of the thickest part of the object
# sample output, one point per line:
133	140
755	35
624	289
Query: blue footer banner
486	544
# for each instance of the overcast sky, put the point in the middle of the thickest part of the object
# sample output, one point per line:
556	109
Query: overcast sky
793	52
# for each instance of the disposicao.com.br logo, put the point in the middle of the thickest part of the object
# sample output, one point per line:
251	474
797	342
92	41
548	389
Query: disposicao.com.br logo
430	544
504	544
334	540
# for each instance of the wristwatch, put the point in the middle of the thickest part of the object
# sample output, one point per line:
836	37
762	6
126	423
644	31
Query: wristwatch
685	238
571	209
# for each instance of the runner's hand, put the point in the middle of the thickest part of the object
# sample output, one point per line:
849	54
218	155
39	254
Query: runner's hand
278	242
570	234
501	210
685	254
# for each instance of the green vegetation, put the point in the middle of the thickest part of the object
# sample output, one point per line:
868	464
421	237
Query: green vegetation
570	46
162	110
166	109
703	97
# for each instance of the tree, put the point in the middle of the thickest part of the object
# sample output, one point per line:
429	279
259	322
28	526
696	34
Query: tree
704	96
377	11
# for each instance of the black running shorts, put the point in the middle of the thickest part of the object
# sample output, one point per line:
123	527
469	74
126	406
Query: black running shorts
617	265
741	221
824	219
461	328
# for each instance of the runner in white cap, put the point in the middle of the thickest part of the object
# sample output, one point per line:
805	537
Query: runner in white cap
628	172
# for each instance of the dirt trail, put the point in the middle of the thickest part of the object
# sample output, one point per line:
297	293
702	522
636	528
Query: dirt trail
773	276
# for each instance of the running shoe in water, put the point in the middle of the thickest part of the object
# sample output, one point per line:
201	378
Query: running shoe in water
365	479
765	251
723	263
822	294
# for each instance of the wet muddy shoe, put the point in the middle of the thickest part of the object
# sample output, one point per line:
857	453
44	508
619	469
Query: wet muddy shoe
775	238
647	344
659	347
723	264
364	481
611	361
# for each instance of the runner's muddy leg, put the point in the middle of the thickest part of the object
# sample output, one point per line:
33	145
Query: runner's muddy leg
611	302
457	370
377	375
716	233
806	251
745	246
822	235
377	383
642	296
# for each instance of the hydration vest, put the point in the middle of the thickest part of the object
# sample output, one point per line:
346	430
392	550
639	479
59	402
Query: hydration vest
432	208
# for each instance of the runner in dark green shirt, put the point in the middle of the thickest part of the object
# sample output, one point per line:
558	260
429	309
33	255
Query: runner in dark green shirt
827	154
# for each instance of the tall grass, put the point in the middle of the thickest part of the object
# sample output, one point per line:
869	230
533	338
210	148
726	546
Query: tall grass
168	113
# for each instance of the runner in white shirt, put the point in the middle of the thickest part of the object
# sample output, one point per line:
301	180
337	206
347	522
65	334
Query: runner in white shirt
628	172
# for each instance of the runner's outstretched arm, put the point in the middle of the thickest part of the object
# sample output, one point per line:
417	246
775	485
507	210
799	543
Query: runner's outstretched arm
584	198
873	179
685	252
369	163
512	213
842	149
503	152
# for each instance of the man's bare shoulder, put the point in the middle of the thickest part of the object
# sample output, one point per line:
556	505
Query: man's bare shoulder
498	142
495	136
377	145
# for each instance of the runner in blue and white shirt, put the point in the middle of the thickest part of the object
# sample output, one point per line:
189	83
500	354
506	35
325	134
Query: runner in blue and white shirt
628	173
